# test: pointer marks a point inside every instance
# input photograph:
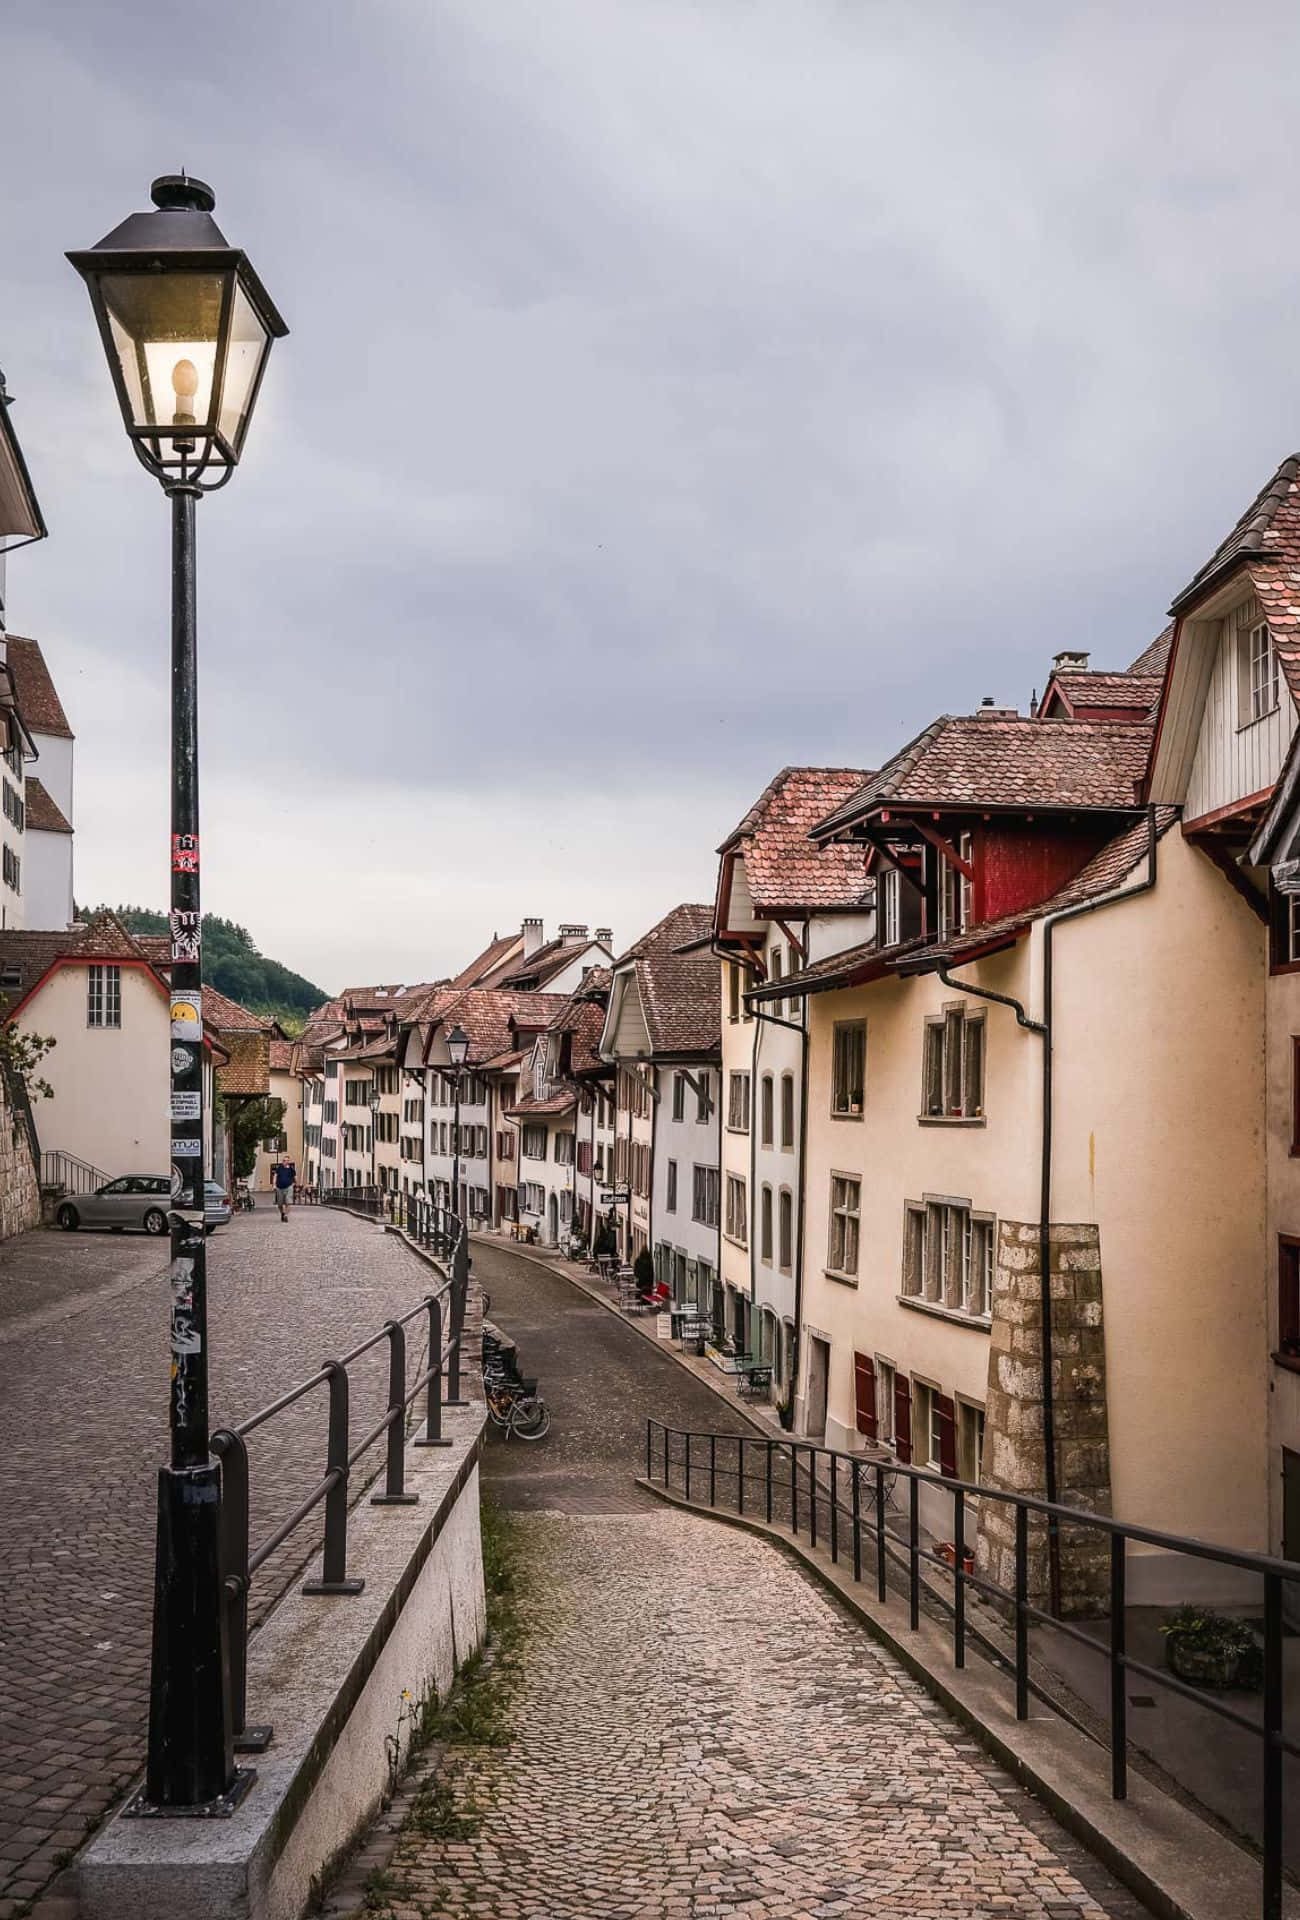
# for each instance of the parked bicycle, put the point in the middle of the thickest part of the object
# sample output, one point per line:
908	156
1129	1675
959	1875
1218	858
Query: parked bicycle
518	1407
244	1202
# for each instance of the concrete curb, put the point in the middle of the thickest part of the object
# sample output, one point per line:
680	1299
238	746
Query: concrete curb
1177	1865
637	1326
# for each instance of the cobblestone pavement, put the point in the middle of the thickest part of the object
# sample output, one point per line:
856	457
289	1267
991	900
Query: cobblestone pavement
698	1729
83	1408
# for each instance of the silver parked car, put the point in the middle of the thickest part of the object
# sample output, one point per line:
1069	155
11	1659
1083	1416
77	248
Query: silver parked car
136	1200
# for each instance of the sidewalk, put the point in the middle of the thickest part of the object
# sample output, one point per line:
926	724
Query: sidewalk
653	1327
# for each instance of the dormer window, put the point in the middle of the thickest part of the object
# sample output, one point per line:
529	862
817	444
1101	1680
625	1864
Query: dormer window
891	904
955	892
1258	684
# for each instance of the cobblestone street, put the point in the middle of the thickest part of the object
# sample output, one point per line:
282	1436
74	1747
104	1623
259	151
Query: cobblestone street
83	1406
698	1730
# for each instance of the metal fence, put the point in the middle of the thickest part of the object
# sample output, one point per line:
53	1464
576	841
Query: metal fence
443	1234
846	1502
73	1175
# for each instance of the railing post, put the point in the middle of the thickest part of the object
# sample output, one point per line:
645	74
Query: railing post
835	1510
334	1569
812	1496
1274	1828
688	1463
857	1521
232	1551
740	1473
433	1435
713	1469
459	1290
1022	1620
959	1578
394	1494
768	1476
914	1551
882	1566
649	1439
666	1482
794	1488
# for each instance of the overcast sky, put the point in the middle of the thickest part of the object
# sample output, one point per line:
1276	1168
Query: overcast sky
673	391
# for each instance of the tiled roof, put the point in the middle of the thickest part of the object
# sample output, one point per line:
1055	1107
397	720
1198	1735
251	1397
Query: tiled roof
245	1073
157	947
227	1016
584	1020
541	966
1156	657
1108	867
491	1017
966	760
1262	532
281	1056
43	815
681	996
785	869
498	953
1082	689
20	511
30	954
562	1099
38	702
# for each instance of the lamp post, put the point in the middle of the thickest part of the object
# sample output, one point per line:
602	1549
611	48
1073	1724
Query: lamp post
458	1054
374	1124
187	327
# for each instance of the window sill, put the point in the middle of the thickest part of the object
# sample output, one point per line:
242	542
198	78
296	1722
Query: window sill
731	1240
1244	726
835	1115
841	1279
738	1130
1290	1361
951	1120
980	1322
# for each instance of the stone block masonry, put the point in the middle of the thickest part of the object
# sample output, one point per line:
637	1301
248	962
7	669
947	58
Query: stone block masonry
1014	1457
20	1193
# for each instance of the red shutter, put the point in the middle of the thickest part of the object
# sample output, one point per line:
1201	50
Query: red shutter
903	1419
947	1436
864	1394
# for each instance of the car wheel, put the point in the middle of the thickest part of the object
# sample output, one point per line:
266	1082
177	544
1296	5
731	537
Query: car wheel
155	1221
211	1229
68	1218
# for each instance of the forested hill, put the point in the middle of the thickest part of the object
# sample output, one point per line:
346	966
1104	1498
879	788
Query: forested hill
232	964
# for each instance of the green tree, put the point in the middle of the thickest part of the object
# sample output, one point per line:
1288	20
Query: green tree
251	1122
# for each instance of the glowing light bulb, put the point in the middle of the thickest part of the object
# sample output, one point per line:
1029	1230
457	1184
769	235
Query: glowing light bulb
185	384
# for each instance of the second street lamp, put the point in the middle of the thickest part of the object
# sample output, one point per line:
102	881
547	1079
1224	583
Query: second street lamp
374	1129
187	327
458	1054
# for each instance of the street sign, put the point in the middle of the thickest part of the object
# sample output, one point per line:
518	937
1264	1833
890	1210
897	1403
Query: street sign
615	1196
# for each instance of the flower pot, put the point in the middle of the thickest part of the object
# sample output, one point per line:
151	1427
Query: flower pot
1202	1666
947	1552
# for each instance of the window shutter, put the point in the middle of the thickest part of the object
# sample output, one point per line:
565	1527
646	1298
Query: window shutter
864	1394
947	1435
903	1419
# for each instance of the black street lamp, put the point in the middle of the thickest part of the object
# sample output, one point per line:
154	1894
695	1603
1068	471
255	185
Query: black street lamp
187	327
458	1054
374	1127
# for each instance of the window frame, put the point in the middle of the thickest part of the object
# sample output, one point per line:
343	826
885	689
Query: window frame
736	1217
839	1031
954	1066
105	975
738	1084
849	1216
767	1110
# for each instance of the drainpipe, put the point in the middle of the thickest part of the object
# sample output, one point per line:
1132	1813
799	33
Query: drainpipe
1043	1029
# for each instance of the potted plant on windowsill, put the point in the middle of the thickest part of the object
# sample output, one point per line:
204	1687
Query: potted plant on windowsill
1210	1649
946	1550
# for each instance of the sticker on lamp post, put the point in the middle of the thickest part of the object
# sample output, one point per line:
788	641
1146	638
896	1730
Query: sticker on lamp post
185	1106
185	934
187	1149
185	853
187	1019
182	1059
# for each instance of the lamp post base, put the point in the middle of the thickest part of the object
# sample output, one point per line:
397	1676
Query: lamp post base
191	1768
141	1807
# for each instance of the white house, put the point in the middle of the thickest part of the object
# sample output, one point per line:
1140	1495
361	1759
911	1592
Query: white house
47	829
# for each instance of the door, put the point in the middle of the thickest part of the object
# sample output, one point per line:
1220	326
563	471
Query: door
116	1205
819	1374
1291	1532
552	1220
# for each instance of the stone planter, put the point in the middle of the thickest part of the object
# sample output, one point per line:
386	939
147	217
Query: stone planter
1204	1666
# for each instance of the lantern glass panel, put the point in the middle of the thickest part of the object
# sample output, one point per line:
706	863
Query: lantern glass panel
249	342
166	330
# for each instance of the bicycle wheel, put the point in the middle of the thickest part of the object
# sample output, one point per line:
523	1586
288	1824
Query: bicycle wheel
530	1419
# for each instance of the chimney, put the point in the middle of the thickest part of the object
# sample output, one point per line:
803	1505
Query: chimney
1070	661
572	935
532	937
605	935
987	710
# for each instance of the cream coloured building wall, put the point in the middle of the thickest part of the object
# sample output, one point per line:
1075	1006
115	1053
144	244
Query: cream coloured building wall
737	1057
1283	1017
1158	1117
289	1088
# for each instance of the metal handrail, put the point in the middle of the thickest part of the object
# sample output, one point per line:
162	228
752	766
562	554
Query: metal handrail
442	1232
59	1169
819	1486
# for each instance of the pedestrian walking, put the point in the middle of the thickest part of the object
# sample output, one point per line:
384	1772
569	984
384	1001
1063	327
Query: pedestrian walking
283	1176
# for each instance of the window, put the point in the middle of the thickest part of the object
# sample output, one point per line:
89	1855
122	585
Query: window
679	1096
934	1429
891	903
948	1256
563	1149
785	1230
737	1210
953	1066
584	1156
532	1197
955	893
970	1442
774	972
1288	1296
704	1195
787	1110
704	1098
1258	675
864	1396
733	991
765	1225
884	1402
13	870
848	1068
846	1195
534	1142
765	1109
104	997
670	1197
1284	910
738	1103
